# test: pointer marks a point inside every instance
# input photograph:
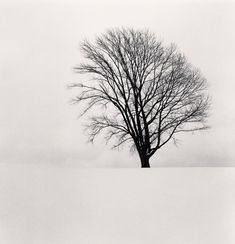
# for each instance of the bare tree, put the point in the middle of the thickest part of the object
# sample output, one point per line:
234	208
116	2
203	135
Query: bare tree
147	93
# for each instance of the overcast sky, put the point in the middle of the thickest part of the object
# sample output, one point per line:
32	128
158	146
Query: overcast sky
40	46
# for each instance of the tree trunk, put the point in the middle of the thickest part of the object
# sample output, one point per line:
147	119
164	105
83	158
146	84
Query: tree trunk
144	161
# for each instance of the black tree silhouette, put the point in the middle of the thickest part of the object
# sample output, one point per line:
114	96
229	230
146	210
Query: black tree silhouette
147	93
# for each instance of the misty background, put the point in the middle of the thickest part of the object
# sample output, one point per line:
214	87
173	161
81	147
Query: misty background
40	47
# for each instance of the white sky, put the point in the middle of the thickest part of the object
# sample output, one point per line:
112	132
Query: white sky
39	48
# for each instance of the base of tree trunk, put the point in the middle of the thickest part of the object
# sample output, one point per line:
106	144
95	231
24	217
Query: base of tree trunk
145	163
145	166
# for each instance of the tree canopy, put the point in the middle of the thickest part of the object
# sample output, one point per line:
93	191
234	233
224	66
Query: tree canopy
146	92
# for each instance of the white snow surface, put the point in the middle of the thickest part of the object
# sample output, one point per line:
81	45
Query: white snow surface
67	205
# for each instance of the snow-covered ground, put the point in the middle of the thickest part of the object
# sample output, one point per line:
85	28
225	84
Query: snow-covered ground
67	205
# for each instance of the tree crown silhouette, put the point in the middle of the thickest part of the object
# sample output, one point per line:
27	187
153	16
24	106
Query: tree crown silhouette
146	93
